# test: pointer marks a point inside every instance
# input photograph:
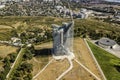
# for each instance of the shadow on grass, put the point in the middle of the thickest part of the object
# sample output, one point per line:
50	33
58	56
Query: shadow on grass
117	68
43	52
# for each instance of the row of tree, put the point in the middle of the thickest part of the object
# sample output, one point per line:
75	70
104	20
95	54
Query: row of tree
7	65
96	30
24	71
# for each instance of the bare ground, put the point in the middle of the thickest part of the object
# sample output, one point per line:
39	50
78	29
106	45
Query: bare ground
78	73
82	54
55	69
5	50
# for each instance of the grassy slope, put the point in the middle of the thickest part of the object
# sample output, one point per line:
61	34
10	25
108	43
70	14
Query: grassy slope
106	61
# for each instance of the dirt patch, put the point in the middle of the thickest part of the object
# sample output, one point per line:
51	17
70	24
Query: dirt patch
17	24
38	64
4	27
44	45
39	61
78	73
55	69
82	54
5	50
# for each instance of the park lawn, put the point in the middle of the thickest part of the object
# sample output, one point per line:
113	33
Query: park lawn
107	62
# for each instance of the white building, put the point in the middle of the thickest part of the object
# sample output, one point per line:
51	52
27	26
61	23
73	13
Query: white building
26	0
48	0
51	1
2	6
10	0
59	7
84	13
16	41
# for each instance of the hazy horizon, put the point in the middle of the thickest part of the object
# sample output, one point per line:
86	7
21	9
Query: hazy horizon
113	0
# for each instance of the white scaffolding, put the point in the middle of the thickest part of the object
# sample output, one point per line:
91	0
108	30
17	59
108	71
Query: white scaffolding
63	39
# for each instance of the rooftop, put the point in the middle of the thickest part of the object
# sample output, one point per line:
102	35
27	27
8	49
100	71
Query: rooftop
107	42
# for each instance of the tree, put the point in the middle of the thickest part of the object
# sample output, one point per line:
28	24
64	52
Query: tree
6	68
31	49
1	58
23	37
118	40
2	75
16	78
6	60
12	57
28	55
14	33
28	77
48	34
25	67
17	74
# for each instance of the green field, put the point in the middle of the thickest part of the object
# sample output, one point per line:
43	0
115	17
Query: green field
107	62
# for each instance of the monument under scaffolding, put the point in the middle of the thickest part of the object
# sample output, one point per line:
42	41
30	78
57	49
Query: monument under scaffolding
63	39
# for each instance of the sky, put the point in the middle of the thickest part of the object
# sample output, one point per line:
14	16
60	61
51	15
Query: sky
113	0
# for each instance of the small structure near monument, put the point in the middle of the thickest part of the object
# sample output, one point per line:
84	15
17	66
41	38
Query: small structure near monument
106	43
63	39
16	41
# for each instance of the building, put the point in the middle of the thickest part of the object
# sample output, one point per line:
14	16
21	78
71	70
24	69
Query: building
106	43
2	6
59	7
25	0
63	39
48	0
11	0
56	1
83	14
16	41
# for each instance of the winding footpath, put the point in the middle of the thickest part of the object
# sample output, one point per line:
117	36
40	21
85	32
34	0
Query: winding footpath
70	68
42	70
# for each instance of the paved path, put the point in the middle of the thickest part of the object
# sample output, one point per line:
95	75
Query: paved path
70	68
42	70
116	53
16	62
87	70
95	60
